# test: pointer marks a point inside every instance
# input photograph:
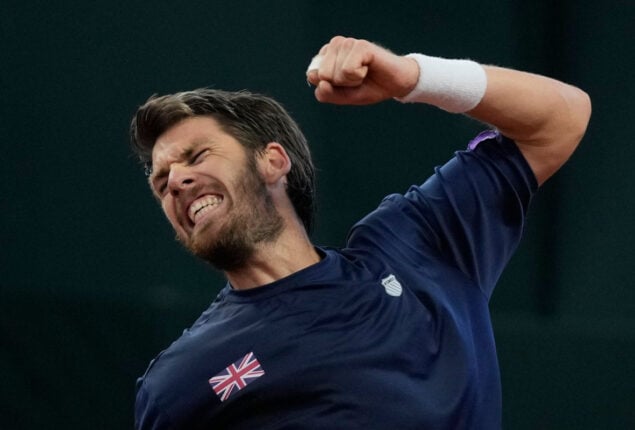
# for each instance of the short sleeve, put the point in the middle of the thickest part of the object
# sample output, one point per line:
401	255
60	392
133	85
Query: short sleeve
469	214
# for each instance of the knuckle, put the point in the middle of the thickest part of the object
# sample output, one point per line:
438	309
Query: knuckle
337	39
362	44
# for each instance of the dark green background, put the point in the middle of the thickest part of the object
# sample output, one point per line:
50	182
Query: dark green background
93	285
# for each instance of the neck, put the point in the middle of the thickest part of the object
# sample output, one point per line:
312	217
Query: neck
291	252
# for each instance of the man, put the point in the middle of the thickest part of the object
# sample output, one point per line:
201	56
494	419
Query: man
390	332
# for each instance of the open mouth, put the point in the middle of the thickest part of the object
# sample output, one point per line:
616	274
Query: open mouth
203	205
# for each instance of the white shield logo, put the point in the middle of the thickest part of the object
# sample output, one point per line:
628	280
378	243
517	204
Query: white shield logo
392	286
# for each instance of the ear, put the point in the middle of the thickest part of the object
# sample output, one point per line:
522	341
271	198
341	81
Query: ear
274	163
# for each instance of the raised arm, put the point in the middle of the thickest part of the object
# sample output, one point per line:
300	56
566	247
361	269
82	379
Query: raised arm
545	117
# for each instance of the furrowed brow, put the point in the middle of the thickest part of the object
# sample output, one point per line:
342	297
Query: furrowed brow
185	154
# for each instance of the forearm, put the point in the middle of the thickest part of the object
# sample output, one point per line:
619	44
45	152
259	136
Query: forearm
545	117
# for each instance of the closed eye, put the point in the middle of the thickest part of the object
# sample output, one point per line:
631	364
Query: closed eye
198	157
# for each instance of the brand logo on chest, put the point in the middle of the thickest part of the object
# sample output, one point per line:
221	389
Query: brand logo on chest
392	286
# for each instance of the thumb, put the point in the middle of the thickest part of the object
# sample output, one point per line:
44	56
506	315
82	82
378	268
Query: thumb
324	92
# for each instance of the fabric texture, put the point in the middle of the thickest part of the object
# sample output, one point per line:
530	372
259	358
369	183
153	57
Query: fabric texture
392	331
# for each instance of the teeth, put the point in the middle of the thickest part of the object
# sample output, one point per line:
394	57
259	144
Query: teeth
203	205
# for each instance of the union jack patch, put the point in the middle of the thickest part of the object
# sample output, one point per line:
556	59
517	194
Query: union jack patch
236	376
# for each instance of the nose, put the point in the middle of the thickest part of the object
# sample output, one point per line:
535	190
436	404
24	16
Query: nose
179	179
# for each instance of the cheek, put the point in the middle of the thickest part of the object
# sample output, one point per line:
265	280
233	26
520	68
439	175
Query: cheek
170	214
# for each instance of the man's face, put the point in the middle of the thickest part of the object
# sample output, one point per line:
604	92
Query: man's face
212	193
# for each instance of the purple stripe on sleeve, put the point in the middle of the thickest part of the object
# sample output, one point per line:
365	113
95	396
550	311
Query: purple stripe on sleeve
482	136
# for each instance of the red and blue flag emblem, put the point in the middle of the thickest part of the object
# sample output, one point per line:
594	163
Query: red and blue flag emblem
236	376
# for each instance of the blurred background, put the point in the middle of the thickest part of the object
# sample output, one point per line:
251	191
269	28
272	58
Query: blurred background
93	285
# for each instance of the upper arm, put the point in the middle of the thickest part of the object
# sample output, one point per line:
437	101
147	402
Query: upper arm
469	214
545	117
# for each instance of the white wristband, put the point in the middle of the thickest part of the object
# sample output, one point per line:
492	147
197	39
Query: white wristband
453	85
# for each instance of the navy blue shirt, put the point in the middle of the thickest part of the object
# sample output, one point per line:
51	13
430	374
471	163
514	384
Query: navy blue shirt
391	332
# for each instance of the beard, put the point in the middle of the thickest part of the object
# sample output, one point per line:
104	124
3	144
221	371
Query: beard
253	220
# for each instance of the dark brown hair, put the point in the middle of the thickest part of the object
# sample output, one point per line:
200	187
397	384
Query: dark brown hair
253	120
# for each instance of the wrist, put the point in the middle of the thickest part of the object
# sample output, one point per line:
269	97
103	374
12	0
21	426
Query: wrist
453	85
411	77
